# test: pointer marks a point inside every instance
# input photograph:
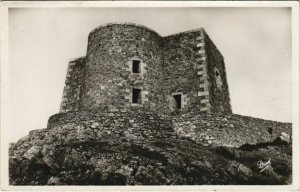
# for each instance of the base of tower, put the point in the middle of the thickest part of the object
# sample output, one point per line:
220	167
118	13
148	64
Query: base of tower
115	146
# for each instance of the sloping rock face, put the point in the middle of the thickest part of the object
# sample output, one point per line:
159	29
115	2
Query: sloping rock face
86	151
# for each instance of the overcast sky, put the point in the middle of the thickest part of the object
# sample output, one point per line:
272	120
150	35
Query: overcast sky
255	42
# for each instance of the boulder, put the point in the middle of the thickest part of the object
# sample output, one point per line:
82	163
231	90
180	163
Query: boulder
285	137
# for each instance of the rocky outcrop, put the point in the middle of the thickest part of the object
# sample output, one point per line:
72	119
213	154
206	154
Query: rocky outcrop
86	152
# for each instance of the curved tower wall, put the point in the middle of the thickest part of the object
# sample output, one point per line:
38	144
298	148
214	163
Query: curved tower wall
108	77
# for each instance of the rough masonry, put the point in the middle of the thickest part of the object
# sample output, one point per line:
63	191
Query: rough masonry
181	71
142	109
180	77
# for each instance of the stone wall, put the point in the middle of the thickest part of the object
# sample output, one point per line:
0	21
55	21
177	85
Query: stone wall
228	130
110	122
73	82
108	78
102	124
202	72
218	87
100	87
191	61
179	70
184	63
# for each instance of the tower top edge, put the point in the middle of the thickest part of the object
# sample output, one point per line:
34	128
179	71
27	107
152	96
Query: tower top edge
144	27
76	58
201	29
124	24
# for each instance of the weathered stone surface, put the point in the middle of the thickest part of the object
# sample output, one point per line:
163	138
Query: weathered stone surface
108	75
230	130
151	160
73	83
285	137
181	63
218	90
100	137
90	148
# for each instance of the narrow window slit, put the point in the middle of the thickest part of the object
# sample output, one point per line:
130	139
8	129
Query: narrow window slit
136	95
218	79
136	66
178	100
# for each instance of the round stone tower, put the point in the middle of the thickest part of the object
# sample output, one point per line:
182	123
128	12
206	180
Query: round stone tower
123	67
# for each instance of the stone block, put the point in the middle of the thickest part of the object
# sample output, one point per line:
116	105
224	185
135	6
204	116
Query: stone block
204	77
199	38
200	72
204	101
200	44
203	58
202	51
204	109
203	85
202	66
208	105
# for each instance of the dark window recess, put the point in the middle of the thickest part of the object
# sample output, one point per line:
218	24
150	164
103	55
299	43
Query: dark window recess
136	98
136	66
178	100
202	104
270	130
202	97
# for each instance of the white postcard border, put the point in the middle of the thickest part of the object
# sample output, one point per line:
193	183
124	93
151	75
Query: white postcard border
55	4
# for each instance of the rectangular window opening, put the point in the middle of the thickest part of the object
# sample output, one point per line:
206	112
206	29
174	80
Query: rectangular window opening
178	100
136	95
136	66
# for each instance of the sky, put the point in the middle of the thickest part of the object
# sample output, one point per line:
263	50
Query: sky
255	42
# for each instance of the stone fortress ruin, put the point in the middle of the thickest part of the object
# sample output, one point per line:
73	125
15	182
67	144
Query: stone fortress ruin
133	79
132	65
142	109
